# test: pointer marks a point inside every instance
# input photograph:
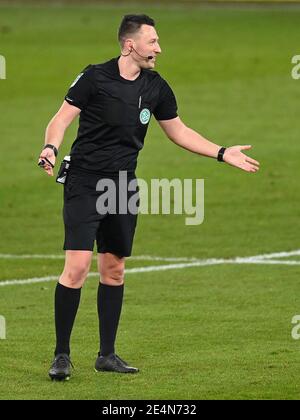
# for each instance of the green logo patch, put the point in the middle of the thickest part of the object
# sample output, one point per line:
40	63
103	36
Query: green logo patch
145	115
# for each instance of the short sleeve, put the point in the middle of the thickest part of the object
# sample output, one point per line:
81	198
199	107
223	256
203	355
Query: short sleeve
166	108
82	89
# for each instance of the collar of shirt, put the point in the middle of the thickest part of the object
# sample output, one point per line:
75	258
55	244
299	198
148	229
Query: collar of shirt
114	69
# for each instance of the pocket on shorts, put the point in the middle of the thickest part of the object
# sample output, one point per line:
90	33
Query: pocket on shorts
73	185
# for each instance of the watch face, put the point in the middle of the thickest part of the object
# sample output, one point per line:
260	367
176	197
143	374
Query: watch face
221	154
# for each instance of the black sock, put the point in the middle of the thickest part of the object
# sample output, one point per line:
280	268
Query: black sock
110	300
66	305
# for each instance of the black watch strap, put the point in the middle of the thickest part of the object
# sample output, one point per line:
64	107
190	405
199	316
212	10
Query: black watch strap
221	154
50	146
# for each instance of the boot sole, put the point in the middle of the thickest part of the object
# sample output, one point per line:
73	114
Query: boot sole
59	378
113	371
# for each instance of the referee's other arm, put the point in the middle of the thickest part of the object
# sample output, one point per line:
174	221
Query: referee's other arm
55	132
190	140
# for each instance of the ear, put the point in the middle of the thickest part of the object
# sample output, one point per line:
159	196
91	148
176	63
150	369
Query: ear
128	44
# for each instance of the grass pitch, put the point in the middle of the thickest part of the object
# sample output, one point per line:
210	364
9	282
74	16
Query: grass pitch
208	332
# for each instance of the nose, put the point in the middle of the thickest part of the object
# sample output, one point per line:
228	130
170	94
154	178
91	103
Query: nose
157	49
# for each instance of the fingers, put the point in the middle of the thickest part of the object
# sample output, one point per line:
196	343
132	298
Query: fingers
48	154
250	160
47	161
252	165
249	168
43	160
245	147
235	157
49	171
47	168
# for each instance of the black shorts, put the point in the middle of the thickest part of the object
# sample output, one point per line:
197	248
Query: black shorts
113	230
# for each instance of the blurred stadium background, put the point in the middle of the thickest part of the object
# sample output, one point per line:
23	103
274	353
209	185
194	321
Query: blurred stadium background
211	330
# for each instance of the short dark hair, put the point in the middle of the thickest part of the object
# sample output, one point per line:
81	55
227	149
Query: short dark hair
131	24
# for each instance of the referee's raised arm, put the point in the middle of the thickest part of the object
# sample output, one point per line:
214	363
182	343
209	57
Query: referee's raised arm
189	139
54	135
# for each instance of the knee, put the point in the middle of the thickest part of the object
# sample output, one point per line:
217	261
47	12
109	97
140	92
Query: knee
75	276
112	275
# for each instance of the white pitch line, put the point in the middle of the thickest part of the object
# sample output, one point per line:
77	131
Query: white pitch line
62	256
33	257
28	281
266	261
277	255
153	268
127	271
153	258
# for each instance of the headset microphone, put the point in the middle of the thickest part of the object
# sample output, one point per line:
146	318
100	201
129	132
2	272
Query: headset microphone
149	57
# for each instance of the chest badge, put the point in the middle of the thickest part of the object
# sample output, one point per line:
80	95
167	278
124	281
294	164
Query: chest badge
145	115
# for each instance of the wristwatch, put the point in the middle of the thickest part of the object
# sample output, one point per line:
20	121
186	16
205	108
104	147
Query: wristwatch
50	146
221	154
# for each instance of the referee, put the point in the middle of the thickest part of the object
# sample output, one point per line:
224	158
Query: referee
114	101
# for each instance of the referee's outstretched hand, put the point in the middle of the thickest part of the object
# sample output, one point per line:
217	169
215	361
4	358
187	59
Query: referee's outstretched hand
47	161
235	157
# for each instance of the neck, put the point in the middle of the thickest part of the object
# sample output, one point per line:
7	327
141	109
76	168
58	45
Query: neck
128	68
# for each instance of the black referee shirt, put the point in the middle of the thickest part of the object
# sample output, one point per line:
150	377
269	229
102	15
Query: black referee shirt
115	115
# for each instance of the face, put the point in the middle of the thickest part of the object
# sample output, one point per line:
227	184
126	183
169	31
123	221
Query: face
145	42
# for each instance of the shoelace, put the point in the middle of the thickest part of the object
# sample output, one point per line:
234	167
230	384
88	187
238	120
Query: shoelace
62	362
119	358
